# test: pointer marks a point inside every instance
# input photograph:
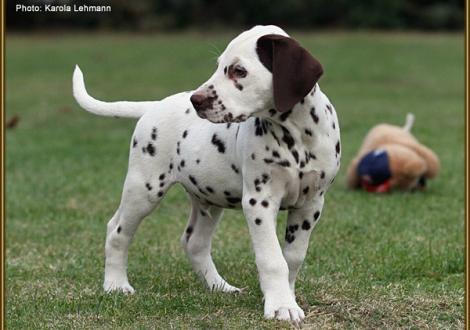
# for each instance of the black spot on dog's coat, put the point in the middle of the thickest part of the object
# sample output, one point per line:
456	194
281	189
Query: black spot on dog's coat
235	169
265	203
287	138
285	115
306	189
151	149
276	138
306	225
182	163
193	180
202	191
162	176
308	132
292	229
289	237
233	200
185	134
227	193
314	115
209	189
338	148
154	134
316	215
322	174
119	229
258	221
218	143
189	231
296	155
253	156
160	194
148	186
252	202
265	177
134	143
260	127
284	163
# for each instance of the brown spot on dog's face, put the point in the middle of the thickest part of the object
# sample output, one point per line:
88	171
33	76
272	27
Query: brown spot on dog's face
236	72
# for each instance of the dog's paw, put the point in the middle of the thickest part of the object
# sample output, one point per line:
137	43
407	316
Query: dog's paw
118	286
225	287
283	310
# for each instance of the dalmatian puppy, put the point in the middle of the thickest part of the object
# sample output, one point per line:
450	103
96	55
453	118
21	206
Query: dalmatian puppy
258	134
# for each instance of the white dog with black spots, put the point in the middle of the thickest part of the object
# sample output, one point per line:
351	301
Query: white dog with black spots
258	134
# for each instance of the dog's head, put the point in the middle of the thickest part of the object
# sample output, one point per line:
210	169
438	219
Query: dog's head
261	69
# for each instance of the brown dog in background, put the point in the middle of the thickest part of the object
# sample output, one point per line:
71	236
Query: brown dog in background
391	157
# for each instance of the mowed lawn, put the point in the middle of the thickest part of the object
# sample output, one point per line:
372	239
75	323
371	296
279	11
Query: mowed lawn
392	261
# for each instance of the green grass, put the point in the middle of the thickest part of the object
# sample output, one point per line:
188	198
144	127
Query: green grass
394	261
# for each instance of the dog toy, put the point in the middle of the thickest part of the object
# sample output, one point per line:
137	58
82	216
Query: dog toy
392	158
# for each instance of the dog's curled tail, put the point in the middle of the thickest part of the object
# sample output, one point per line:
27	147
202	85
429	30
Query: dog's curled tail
110	109
410	119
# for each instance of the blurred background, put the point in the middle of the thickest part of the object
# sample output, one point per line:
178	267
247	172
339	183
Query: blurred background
151	15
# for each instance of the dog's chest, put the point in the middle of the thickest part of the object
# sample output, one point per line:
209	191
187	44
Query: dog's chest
298	166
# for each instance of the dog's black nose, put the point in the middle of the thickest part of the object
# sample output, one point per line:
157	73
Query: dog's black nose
197	100
201	102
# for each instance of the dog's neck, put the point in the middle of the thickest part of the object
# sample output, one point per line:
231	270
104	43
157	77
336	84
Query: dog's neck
300	120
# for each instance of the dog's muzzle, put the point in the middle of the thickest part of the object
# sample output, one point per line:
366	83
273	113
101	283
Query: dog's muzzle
202	102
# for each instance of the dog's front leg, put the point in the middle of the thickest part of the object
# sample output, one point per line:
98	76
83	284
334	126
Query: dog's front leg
300	223
272	267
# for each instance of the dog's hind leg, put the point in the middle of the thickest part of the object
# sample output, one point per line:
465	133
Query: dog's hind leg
197	242
139	198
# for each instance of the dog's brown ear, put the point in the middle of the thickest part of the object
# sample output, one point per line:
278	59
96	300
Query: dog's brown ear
294	70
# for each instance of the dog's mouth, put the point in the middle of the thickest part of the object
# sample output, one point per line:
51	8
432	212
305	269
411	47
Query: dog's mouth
220	116
209	106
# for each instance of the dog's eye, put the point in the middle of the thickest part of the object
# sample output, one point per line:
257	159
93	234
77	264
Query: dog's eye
239	71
